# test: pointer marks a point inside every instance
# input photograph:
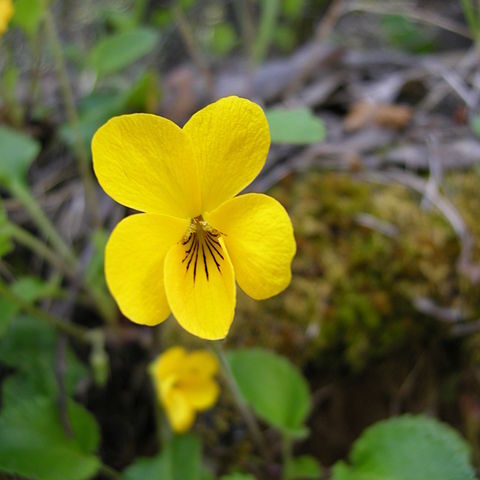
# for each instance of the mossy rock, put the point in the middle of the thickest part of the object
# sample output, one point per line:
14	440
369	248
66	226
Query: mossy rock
351	297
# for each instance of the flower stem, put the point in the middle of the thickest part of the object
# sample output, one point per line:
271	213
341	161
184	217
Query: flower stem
287	455
191	45
96	297
243	408
8	94
266	30
28	240
79	333
163	431
110	472
43	223
81	153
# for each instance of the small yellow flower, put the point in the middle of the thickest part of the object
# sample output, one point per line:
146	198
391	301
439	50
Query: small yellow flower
185	384
6	14
196	238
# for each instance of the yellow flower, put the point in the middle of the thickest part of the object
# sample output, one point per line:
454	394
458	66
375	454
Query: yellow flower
6	14
196	238
185	384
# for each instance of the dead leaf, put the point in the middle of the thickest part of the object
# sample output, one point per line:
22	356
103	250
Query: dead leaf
364	114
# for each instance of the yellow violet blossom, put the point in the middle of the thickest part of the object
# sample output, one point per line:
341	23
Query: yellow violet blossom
185	384
196	238
6	14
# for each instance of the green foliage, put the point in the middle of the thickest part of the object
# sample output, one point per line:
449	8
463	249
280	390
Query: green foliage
30	289
472	16
144	94
34	443
29	347
266	29
475	124
273	387
238	476
119	50
403	33
354	309
296	126
99	359
293	8
98	107
224	39
6	245
304	467
94	110
180	460
417	448
162	17
154	467
28	15
285	37
94	274
17	152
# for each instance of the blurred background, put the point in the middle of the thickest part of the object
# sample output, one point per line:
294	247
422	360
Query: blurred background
374	110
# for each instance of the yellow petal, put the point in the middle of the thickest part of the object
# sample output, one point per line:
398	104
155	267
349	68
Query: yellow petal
180	412
169	362
134	259
145	162
200	294
259	239
230	139
201	363
201	393
6	14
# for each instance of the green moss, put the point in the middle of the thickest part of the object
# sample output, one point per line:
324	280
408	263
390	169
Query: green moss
351	297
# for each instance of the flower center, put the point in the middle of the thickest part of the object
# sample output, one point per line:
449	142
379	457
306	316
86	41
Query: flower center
202	248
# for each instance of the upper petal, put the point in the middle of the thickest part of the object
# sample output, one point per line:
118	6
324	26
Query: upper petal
201	363
200	293
230	139
134	258
259	239
145	162
169	362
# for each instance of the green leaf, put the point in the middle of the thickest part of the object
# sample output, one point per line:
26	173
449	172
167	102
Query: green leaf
285	37
6	245
475	125
33	442
28	288
28	15
94	274
31	288
293	8
238	476
403	33
94	110
17	152
118	20
185	456
161	17
29	347
273	387
180	460
417	448
121	49
142	468
296	126
223	38
304	467
97	108
144	93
